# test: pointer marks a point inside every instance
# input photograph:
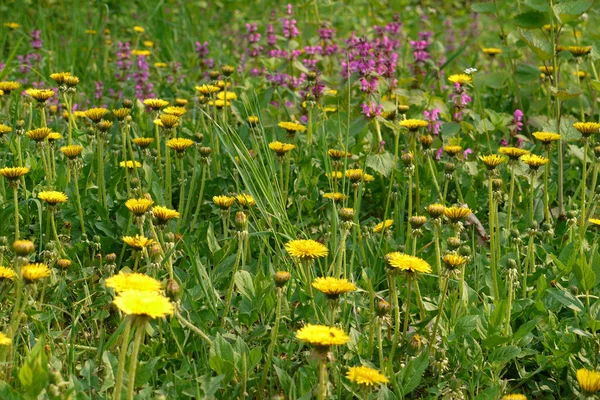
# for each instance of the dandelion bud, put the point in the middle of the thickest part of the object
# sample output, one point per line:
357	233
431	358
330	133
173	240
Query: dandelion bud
449	167
403	108
23	247
311	76
465	251
515	233
546	227
54	376
407	159
154	251
127	103
170	237
199	137
346	214
3	241
426	141
415	343
454	242
213	74
205	151
227	70
597	151
67	225
281	278
104	126
20	124
241	221
173	290
110	258
497	183
511	264
54	391
417	221
63	263
382	308
98	256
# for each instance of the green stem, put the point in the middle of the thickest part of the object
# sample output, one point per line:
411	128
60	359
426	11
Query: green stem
510	200
140	330
407	306
492	239
229	294
78	200
582	218
199	203
323	379
16	203
122	357
274	333
440	311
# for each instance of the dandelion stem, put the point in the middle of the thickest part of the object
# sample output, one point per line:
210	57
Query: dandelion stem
440	311
582	218
492	220
16	204
199	203
229	294
274	333
407	305
140	330
323	379
122	356
510	200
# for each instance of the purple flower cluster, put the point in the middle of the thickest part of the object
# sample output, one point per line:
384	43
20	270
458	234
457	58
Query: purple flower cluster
285	80
124	62
432	117
36	40
421	54
371	110
290	30
460	99
141	76
202	51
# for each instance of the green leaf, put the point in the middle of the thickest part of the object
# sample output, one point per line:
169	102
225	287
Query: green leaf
530	20
382	163
34	372
7	393
564	94
539	5
6	70
504	354
538	43
222	358
566	299
210	385
595	84
244	284
585	276
483	7
450	129
571	10
496	80
410	376
466	325
211	240
525	329
527	73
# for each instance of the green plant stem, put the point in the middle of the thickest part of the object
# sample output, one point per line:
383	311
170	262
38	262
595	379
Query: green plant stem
185	212
433	177
229	294
168	187
199	203
323	379
274	333
380	343
396	311
78	200
582	217
493	261
140	330
511	194
546	194
407	305
16	204
181	206
122	357
158	145
440	312
509	307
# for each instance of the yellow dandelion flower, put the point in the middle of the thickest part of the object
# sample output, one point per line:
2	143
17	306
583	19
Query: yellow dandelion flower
252	120
148	43
96	114
90	32
71	151
7	274
452	150
245	200
587	128
306	250
9	86
455	214
41	95
546	137
337	155
137	242
156	104
13	173
513	153
453	261
226	96
321	336
141	53
143	142
161	65
35	272
336	196
132	281
292	127
219	103
139	206
281	149
413	124
121	113
514	397
579	51
130	164
63	263
335	175
144	303
164	214
382	226
207	89
491	51
139	29
594	221
168	121
12	25
492	161
59	77
547	70
223	202
461	79
174	110
589	381
357	175
4	340
581	74
435	210
534	161
38	134
54	136
52	197
333	287
180	144
404	262
365	376
4	130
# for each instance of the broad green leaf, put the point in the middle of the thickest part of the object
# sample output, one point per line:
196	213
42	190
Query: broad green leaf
585	276
527	73
538	43
382	163
244	284
34	372
566	299
450	129
465	325
564	94
211	240
7	393
530	20
567	11
595	84
496	80
525	329
483	7
504	354
410	376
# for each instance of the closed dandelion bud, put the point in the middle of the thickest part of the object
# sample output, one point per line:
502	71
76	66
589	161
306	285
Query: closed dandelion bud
347	214
214	74
511	264
241	221
63	263
54	391
104	126
497	183
407	159
199	137
173	290
571	214
449	167
426	141
20	124
98	256
417	221
415	343
205	151
403	108
111	258
311	76
170	237
281	278
227	70
597	151
154	251
67	225
127	103
382	308
454	242
546	227
465	251
574	290
3	241
54	376
515	233
23	247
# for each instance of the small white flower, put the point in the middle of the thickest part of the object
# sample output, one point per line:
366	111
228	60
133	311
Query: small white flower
470	71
